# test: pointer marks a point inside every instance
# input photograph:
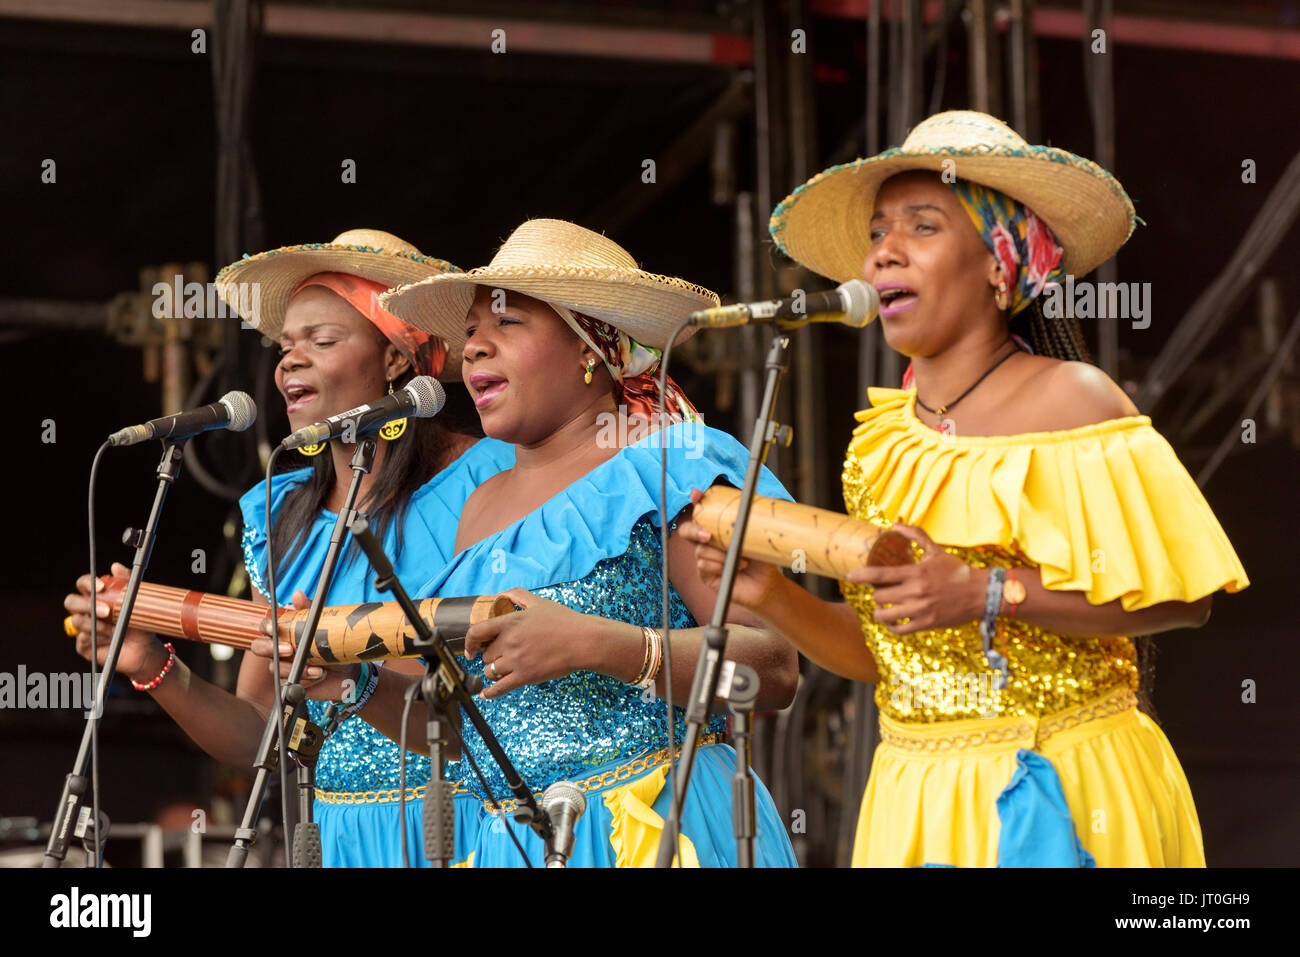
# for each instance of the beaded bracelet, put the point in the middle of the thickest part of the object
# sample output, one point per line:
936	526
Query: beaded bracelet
158	679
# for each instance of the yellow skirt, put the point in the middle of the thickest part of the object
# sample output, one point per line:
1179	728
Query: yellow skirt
932	795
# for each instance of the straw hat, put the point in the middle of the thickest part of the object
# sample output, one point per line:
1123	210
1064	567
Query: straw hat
369	253
561	263
825	224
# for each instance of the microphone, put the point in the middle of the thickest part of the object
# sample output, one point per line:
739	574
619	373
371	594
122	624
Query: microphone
234	411
855	303
422	397
564	803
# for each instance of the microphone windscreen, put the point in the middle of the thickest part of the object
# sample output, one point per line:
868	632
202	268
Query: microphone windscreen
565	792
428	394
242	409
863	303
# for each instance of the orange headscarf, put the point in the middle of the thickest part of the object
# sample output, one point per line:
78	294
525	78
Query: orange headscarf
426	353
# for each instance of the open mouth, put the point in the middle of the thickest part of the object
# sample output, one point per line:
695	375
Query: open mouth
895	298
485	387
298	394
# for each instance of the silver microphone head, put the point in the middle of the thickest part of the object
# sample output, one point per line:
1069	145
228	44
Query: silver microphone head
242	409
862	303
428	394
567	794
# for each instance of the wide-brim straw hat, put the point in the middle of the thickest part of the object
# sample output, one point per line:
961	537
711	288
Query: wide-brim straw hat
562	263
825	224
370	253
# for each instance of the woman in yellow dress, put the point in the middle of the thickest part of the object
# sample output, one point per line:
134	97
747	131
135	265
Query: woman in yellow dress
1052	522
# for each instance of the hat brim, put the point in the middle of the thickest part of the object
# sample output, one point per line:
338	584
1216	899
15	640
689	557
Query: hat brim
826	223
278	272
645	306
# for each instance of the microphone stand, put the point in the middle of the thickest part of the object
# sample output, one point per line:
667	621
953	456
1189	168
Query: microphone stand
74	785
302	738
704	686
444	682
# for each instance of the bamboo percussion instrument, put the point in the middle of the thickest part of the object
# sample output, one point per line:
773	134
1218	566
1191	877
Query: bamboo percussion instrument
346	633
783	533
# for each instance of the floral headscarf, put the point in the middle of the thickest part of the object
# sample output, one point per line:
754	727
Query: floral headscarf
1021	242
1023	245
633	367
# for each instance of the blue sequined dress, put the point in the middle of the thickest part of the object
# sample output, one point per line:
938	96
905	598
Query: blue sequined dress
595	548
357	772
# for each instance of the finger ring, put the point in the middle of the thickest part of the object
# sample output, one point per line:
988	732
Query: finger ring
69	628
492	670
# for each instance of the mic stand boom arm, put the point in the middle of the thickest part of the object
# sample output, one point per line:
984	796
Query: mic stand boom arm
74	785
704	687
297	729
444	682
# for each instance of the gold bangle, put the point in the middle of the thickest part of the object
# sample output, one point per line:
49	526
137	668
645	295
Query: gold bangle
645	661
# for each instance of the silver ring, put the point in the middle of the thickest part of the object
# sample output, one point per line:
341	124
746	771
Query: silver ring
492	669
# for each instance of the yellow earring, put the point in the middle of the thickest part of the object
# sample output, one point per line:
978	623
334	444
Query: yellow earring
1000	297
392	430
591	364
315	449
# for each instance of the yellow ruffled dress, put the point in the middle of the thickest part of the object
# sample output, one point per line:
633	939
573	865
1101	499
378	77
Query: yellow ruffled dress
1106	509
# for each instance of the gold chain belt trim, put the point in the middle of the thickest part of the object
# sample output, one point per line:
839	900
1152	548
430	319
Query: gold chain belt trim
1040	731
390	796
598	782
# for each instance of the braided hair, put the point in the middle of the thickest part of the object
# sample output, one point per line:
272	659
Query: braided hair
1062	338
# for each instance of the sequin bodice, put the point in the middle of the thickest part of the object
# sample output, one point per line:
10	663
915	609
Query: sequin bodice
564	728
941	674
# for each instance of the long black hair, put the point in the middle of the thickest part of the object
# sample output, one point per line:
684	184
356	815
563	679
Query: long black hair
1062	338
408	463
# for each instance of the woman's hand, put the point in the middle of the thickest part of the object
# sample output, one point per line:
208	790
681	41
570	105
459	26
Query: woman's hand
142	655
757	583
332	683
543	641
939	591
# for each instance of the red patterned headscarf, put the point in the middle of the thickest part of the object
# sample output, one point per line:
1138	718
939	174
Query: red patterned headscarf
426	353
634	368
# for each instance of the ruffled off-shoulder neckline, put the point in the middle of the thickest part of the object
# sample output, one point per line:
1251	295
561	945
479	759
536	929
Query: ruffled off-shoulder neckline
1106	509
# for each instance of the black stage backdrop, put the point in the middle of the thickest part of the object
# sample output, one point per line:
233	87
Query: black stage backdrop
455	148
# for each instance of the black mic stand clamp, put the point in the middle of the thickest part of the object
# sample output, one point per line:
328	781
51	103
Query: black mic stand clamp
738	686
70	813
704	686
304	744
439	804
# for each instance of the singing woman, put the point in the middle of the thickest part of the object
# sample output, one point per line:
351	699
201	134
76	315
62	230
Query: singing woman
1053	523
559	339
338	350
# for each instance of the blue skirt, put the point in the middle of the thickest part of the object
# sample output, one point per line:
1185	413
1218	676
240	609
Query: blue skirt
363	833
624	820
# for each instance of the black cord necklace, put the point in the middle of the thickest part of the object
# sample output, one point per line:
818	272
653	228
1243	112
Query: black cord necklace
944	409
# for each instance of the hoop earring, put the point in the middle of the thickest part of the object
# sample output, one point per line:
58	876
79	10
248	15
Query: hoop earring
591	364
1000	297
395	429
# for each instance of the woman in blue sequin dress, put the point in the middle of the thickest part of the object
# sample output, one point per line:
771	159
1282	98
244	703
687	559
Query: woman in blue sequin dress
339	350
571	534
